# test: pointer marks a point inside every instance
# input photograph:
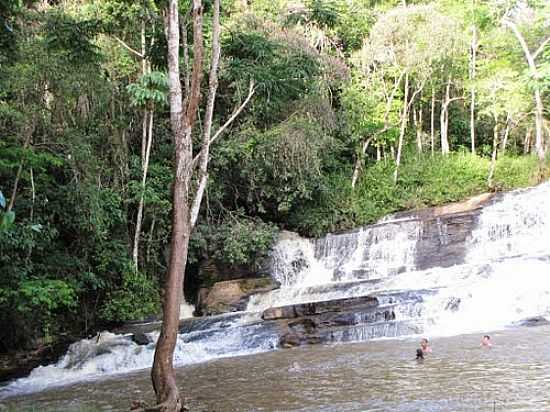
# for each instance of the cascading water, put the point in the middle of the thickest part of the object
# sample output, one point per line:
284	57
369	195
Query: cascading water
509	252
338	266
438	275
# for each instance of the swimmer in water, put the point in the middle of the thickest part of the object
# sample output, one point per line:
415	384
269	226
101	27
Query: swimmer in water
424	346
419	355
486	342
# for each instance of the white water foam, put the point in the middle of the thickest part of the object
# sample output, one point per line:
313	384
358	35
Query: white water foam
111	354
372	253
186	310
519	224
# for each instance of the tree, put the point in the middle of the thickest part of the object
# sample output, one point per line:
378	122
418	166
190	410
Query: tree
190	179
410	44
500	95
531	58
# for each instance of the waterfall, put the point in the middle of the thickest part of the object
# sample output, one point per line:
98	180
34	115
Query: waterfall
313	270
509	255
474	270
517	225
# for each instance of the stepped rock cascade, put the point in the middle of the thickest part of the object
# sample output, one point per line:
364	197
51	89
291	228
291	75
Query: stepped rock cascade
476	266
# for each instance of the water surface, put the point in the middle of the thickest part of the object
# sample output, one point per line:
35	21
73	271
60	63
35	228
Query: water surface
380	376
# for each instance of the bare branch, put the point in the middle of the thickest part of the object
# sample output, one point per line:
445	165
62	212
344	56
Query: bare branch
523	44
251	91
127	47
222	128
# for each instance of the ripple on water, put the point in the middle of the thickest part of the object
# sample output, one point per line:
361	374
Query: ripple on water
378	376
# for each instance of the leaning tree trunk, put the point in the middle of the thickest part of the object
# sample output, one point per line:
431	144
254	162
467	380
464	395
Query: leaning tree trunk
506	134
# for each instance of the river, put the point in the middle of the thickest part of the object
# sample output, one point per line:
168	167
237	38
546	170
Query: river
379	375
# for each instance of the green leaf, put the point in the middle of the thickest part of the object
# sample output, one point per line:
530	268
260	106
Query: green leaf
8	218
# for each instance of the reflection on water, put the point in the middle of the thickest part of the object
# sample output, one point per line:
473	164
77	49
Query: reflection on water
379	376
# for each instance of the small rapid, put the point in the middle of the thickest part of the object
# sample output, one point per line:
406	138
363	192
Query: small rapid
439	274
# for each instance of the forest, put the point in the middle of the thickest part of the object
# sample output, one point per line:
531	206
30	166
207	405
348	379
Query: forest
329	115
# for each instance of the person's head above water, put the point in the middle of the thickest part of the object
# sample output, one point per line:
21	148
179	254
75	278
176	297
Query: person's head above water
486	341
419	354
424	345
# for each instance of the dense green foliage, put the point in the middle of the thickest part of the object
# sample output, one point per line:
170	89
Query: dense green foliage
425	181
83	82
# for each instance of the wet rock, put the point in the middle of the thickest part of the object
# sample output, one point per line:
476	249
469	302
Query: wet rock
317	308
141	338
232	295
289	340
19	364
343	320
453	304
533	321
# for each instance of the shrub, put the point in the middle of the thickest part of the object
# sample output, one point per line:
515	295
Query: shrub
137	297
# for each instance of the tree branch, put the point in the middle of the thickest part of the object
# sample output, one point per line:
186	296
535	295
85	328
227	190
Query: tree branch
541	48
127	47
251	91
233	116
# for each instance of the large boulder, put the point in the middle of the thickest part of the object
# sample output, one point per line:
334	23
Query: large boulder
344	320
232	295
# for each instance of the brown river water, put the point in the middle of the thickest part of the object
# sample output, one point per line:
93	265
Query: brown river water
382	375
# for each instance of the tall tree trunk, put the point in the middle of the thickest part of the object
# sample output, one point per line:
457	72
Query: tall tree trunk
444	119
527	141
473	62
146	141
539	125
418	126
189	183
506	133
494	155
432	123
404	118
149	115
359	162
162	373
